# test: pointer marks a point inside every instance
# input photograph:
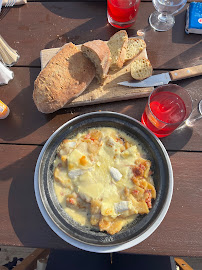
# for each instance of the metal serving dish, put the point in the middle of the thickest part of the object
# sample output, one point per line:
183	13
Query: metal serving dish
85	237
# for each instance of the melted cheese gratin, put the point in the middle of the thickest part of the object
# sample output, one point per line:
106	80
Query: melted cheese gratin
102	179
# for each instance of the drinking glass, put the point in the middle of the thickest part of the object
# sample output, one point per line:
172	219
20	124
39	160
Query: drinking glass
163	19
122	13
168	106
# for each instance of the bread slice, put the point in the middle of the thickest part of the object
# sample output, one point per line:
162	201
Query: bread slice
141	69
118	45
135	46
98	52
65	77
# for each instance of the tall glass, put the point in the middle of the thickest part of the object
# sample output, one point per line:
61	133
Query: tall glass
168	106
122	13
163	19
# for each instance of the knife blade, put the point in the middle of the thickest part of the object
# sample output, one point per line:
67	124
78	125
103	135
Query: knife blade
165	78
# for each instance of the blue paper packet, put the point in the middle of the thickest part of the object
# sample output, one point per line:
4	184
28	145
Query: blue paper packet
194	18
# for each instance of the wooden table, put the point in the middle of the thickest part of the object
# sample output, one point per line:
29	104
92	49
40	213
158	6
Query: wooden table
38	25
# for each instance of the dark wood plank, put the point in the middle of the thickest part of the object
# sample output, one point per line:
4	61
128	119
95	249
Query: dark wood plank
25	125
36	26
22	224
17	198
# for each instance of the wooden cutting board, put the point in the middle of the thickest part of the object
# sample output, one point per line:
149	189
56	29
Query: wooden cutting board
108	92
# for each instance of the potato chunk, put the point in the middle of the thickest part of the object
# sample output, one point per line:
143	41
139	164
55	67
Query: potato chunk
111	226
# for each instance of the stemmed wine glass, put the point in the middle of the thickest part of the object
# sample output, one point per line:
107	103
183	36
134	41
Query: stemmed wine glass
163	19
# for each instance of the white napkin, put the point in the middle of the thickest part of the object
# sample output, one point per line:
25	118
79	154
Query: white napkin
18	2
5	74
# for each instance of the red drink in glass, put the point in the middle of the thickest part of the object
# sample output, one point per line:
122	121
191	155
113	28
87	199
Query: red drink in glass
122	13
167	108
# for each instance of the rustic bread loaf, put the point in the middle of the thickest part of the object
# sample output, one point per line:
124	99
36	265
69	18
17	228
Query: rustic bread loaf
141	69
98	52
65	77
117	45
135	46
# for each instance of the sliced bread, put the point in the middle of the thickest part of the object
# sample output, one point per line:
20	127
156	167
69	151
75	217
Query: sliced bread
98	52
141	69
135	46
118	45
65	77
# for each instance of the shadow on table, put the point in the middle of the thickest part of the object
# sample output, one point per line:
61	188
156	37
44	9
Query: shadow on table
178	139
24	118
96	27
90	30
178	31
190	57
26	219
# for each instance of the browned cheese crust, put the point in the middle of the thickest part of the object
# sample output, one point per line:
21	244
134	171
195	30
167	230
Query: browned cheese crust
65	77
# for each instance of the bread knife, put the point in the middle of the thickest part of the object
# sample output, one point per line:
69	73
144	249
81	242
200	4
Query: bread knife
165	78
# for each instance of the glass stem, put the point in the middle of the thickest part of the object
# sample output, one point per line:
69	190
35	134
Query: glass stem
163	17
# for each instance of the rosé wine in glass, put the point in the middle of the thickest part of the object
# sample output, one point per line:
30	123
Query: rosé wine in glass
122	13
168	106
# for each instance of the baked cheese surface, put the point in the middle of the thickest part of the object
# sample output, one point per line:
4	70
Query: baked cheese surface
103	179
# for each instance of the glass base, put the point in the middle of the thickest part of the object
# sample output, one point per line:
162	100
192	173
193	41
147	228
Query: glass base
160	22
120	25
157	134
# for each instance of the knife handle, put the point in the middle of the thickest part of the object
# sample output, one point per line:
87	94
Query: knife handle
185	73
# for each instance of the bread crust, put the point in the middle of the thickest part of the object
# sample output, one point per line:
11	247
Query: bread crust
98	52
65	77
